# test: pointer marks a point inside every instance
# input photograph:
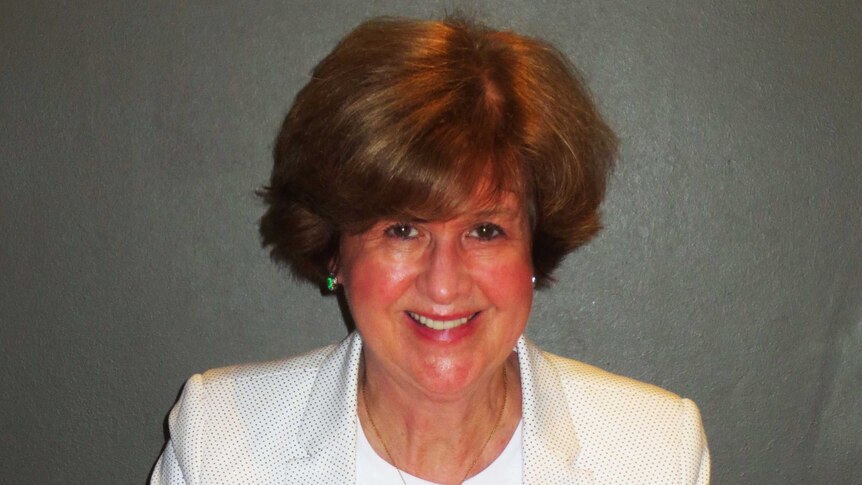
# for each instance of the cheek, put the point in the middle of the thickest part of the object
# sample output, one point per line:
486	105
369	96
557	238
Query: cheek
509	286
373	283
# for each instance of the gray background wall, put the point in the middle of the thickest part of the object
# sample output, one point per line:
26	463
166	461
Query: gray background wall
132	136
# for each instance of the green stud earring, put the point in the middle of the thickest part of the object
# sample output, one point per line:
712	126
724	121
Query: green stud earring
331	282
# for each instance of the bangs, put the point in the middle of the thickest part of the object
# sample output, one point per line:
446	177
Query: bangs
441	138
445	170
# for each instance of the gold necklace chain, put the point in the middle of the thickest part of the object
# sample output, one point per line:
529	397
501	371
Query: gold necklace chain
481	450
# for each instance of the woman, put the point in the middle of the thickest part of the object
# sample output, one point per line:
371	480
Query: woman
433	174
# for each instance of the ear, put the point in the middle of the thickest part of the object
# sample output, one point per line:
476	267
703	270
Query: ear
332	266
333	279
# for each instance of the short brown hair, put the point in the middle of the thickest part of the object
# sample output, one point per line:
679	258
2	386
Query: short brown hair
404	118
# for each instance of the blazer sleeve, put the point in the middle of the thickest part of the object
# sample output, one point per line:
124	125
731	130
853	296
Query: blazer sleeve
694	459
179	463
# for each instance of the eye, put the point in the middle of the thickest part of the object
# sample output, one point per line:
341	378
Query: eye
487	231
402	231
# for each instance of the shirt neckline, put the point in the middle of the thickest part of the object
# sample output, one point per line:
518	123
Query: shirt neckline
510	454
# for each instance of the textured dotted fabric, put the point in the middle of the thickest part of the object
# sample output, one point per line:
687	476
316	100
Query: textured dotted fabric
294	421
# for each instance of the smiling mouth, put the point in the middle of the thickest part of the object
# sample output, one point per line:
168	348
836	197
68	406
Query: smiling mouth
440	324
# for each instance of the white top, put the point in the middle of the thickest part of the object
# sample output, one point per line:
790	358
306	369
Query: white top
371	469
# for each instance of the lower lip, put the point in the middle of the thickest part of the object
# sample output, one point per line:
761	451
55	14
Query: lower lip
445	336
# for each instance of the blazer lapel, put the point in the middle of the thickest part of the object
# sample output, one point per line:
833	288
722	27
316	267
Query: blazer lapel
550	442
327	432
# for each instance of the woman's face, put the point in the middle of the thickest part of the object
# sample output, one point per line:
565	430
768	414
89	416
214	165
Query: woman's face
441	304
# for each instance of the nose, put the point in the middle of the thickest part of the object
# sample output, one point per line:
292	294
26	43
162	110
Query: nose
444	275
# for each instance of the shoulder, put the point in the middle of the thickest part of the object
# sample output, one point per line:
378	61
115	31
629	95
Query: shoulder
225	390
596	392
241	392
288	368
579	377
245	413
625	425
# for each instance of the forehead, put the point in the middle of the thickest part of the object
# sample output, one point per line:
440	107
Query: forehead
484	204
446	200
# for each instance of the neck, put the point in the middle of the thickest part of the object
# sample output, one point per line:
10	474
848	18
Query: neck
440	438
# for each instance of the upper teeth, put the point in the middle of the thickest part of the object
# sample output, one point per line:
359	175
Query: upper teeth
438	324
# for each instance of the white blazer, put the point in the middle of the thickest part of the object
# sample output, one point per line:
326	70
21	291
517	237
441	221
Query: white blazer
294	421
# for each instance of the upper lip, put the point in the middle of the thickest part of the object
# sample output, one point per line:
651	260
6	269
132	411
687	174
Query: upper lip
445	317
